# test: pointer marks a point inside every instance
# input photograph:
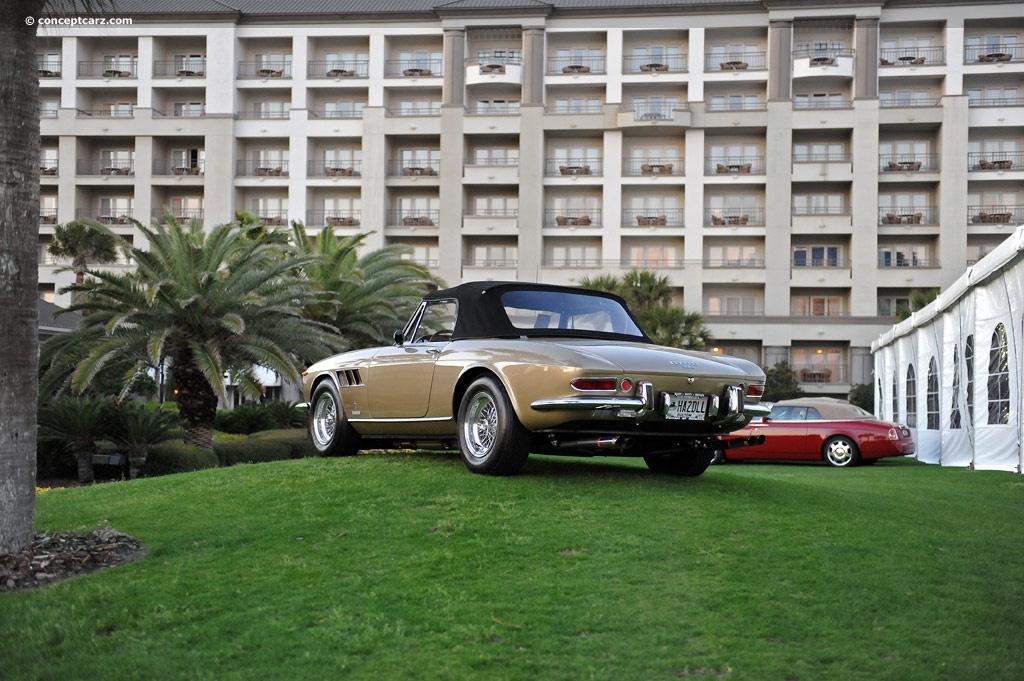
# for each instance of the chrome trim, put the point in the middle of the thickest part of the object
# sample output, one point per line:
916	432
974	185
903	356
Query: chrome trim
589	403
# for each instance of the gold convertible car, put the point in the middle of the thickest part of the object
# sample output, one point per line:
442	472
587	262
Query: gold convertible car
502	369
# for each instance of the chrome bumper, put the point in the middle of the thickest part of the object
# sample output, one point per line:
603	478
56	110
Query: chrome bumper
725	410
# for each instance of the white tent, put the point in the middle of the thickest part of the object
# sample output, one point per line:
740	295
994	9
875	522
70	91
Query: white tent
953	372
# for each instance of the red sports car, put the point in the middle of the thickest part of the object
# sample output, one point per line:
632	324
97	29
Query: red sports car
816	428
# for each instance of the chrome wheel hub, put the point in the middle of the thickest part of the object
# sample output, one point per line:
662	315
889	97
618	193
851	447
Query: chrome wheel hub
325	420
480	428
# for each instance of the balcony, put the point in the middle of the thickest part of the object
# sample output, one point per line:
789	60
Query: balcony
271	217
180	68
805	263
493	109
554	167
575	66
48	167
248	70
494	70
112	216
740	61
903	102
807	373
994	214
276	168
995	101
434	109
105	167
126	111
182	215
887	261
908	215
359	68
346	168
734	216
572	217
107	69
822	103
654	65
995	160
912	56
652	111
333	218
49	68
412	68
823	63
652	166
47	216
652	217
414	167
734	165
908	163
349	112
488	221
993	54
163	166
427	217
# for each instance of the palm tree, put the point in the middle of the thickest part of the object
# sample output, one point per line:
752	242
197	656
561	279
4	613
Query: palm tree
675	327
83	241
209	303
137	429
78	422
369	296
19	270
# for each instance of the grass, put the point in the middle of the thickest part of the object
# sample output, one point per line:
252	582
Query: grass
407	567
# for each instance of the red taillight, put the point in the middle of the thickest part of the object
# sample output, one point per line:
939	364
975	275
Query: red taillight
626	385
589	384
755	390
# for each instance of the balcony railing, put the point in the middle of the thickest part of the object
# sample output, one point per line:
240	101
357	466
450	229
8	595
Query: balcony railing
163	166
995	214
113	216
573	262
271	217
279	114
737	61
745	311
995	160
653	112
813	373
278	168
733	263
183	111
820	263
493	109
182	214
908	102
912	56
414	167
412	68
179	68
333	218
494	64
576	65
427	217
90	166
47	216
908	215
995	101
900	260
822	57
652	217
506	162
582	108
675	63
358	68
106	69
482	212
827	157
495	263
822	104
993	53
572	217
347	112
264	69
48	167
727	106
908	163
821	210
348	168
734	165
573	166
734	216
49	68
635	167
433	110
118	112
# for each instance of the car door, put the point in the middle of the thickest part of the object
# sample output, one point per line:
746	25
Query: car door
399	378
785	435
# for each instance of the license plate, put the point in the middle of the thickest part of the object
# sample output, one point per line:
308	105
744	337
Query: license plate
687	406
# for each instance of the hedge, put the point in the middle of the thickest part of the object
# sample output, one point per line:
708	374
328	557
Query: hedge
174	456
233	452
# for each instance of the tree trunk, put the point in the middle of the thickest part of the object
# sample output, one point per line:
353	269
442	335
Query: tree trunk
84	454
19	270
197	403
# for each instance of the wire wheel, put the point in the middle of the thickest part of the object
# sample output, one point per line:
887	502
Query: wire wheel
491	438
480	427
324	422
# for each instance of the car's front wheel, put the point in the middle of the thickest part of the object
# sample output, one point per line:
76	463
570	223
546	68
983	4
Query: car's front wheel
330	431
491	438
841	452
687	462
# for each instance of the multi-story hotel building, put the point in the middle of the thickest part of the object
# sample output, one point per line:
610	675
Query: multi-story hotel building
794	167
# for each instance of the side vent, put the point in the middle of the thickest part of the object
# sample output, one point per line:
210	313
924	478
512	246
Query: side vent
348	378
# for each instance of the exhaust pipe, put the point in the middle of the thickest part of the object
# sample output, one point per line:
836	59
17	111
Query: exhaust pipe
589	444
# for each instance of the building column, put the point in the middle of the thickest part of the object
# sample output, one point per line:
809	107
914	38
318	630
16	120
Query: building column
533	66
454	57
780	57
865	70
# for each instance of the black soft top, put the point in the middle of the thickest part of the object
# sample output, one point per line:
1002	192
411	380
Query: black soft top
481	313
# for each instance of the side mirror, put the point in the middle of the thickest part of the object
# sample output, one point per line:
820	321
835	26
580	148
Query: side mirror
399	339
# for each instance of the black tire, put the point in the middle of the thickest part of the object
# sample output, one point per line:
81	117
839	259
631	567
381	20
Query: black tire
841	452
685	463
491	438
329	429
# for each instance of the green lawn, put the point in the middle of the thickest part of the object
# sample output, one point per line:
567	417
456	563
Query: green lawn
402	567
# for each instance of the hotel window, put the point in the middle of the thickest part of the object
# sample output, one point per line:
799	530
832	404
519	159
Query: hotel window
424	255
49	61
907	45
495	156
121	62
272	205
503	56
904	97
724	52
580	56
495	256
734	102
732	204
188	158
343	158
732	153
653	256
720	305
189	62
819	100
655	106
189	109
118	109
341	206
816	256
819	151
186	206
818	203
652	203
818	48
495	205
348	60
116	206
343	108
421	59
654	153
577	155
993	96
575	256
903	148
888	306
578	105
816	306
902	255
419	107
271	109
738	255
275	61
497	106
576	202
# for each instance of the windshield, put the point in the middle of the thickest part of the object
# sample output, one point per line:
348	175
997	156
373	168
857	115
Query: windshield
557	310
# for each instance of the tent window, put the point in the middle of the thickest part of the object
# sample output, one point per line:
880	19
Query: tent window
969	366
911	396
954	413
932	398
878	404
999	378
895	398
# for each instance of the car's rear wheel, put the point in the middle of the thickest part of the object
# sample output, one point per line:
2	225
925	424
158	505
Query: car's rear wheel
841	452
687	462
329	429
491	438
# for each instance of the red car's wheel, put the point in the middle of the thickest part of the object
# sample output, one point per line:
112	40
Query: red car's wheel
330	431
841	452
491	438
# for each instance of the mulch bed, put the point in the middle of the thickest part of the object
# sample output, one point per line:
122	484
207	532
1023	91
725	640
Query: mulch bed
56	556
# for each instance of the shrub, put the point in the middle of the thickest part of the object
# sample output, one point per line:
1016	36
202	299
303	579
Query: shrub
233	452
286	414
175	456
246	418
296	439
54	459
